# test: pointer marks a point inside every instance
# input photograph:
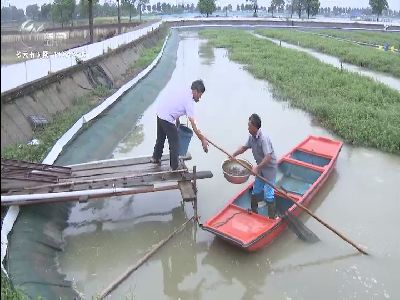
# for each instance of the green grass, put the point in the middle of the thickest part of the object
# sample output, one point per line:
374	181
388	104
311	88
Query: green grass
370	37
367	57
8	292
147	57
51	133
360	110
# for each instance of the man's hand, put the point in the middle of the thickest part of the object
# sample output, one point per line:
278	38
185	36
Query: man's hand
204	143
255	169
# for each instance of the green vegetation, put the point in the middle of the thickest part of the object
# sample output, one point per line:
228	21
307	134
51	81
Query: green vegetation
360	110
371	58
147	56
52	132
207	7
8	292
376	38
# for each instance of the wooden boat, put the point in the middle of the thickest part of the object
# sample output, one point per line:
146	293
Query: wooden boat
301	173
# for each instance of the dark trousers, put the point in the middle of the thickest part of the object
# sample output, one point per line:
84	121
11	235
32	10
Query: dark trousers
168	130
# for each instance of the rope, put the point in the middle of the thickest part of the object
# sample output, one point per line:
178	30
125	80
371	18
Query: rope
221	223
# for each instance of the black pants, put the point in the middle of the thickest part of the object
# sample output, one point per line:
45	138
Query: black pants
168	130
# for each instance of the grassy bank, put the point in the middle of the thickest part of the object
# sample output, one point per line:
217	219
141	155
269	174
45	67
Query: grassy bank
63	121
8	292
52	132
370	37
367	57
358	109
147	56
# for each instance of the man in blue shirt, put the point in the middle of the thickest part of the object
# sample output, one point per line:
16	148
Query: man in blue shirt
168	112
264	155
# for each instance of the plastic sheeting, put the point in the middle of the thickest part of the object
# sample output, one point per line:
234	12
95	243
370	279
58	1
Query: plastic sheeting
13	211
40	67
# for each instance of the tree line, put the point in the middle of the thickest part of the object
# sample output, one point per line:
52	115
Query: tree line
65	11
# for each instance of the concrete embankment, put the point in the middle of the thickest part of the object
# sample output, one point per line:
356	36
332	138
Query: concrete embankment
57	92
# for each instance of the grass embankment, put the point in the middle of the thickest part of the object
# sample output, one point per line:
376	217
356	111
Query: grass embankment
358	109
367	57
8	292
48	135
369	37
147	57
63	121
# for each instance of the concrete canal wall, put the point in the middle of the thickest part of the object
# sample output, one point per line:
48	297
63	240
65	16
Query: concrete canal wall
56	92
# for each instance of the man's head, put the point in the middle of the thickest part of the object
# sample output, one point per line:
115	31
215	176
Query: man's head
197	89
254	124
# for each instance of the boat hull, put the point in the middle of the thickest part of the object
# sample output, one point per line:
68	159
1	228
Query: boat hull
303	171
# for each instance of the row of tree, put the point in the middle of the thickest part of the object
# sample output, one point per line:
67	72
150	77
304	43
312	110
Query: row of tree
65	11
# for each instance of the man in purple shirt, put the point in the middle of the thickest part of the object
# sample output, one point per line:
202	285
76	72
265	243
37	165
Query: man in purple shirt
168	112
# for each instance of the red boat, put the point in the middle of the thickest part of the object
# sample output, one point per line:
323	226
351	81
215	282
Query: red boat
301	173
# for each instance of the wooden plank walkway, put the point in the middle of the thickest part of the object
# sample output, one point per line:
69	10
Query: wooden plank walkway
26	183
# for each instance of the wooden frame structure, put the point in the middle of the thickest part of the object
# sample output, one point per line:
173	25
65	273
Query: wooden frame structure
25	183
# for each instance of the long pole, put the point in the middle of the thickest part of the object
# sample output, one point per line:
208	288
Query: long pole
293	200
131	269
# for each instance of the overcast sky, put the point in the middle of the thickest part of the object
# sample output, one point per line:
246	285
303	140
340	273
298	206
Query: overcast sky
393	4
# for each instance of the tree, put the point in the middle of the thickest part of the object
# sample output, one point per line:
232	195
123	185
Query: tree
130	4
32	11
141	5
45	11
90	13
298	6
84	7
311	7
206	7
254	5
378	6
292	7
62	11
11	13
276	5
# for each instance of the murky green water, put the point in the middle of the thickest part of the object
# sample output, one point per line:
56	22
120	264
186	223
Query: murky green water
361	199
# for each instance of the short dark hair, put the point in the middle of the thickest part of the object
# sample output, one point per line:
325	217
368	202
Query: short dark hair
255	120
198	85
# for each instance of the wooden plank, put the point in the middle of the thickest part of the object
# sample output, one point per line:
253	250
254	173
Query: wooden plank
20	164
109	171
73	196
115	182
187	192
111	163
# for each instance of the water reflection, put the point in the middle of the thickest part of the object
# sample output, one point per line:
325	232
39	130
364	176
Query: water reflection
249	270
132	140
206	52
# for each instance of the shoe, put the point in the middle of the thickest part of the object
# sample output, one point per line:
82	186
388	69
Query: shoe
155	161
254	203
177	169
271	209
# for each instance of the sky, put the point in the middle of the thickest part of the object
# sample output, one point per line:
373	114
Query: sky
393	4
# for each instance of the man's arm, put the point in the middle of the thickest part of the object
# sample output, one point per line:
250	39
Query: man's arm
200	136
240	151
262	164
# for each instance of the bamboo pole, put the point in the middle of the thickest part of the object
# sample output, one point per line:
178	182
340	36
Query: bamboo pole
133	268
